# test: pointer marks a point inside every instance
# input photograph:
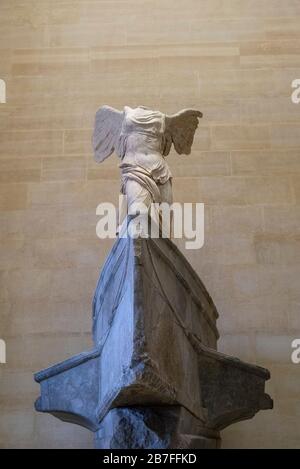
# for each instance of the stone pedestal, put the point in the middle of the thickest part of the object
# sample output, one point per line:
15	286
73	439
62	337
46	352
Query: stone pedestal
155	378
155	427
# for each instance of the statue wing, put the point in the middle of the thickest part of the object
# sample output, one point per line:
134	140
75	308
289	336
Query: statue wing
180	130
108	123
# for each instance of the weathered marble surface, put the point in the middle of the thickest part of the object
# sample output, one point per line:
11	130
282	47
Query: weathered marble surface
155	335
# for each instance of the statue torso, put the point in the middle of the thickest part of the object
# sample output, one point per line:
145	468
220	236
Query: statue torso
143	131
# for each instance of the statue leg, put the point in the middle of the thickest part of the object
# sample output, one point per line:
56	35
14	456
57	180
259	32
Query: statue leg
136	195
166	192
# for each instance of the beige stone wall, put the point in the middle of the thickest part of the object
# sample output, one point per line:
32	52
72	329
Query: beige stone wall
235	61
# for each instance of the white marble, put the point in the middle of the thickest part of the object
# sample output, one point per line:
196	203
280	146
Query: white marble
142	138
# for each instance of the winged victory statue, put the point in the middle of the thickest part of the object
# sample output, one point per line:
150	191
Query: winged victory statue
142	138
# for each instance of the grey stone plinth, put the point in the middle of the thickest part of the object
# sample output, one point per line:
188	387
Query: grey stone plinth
155	378
155	427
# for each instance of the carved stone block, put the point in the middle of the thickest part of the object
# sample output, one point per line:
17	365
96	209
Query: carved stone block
155	378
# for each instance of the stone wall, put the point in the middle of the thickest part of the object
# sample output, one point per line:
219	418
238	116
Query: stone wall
235	61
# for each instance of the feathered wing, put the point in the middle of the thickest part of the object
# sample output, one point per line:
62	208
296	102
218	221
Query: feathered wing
180	130
108	123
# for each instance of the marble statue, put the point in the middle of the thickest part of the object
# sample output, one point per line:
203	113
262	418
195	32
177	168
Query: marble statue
142	138
154	378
